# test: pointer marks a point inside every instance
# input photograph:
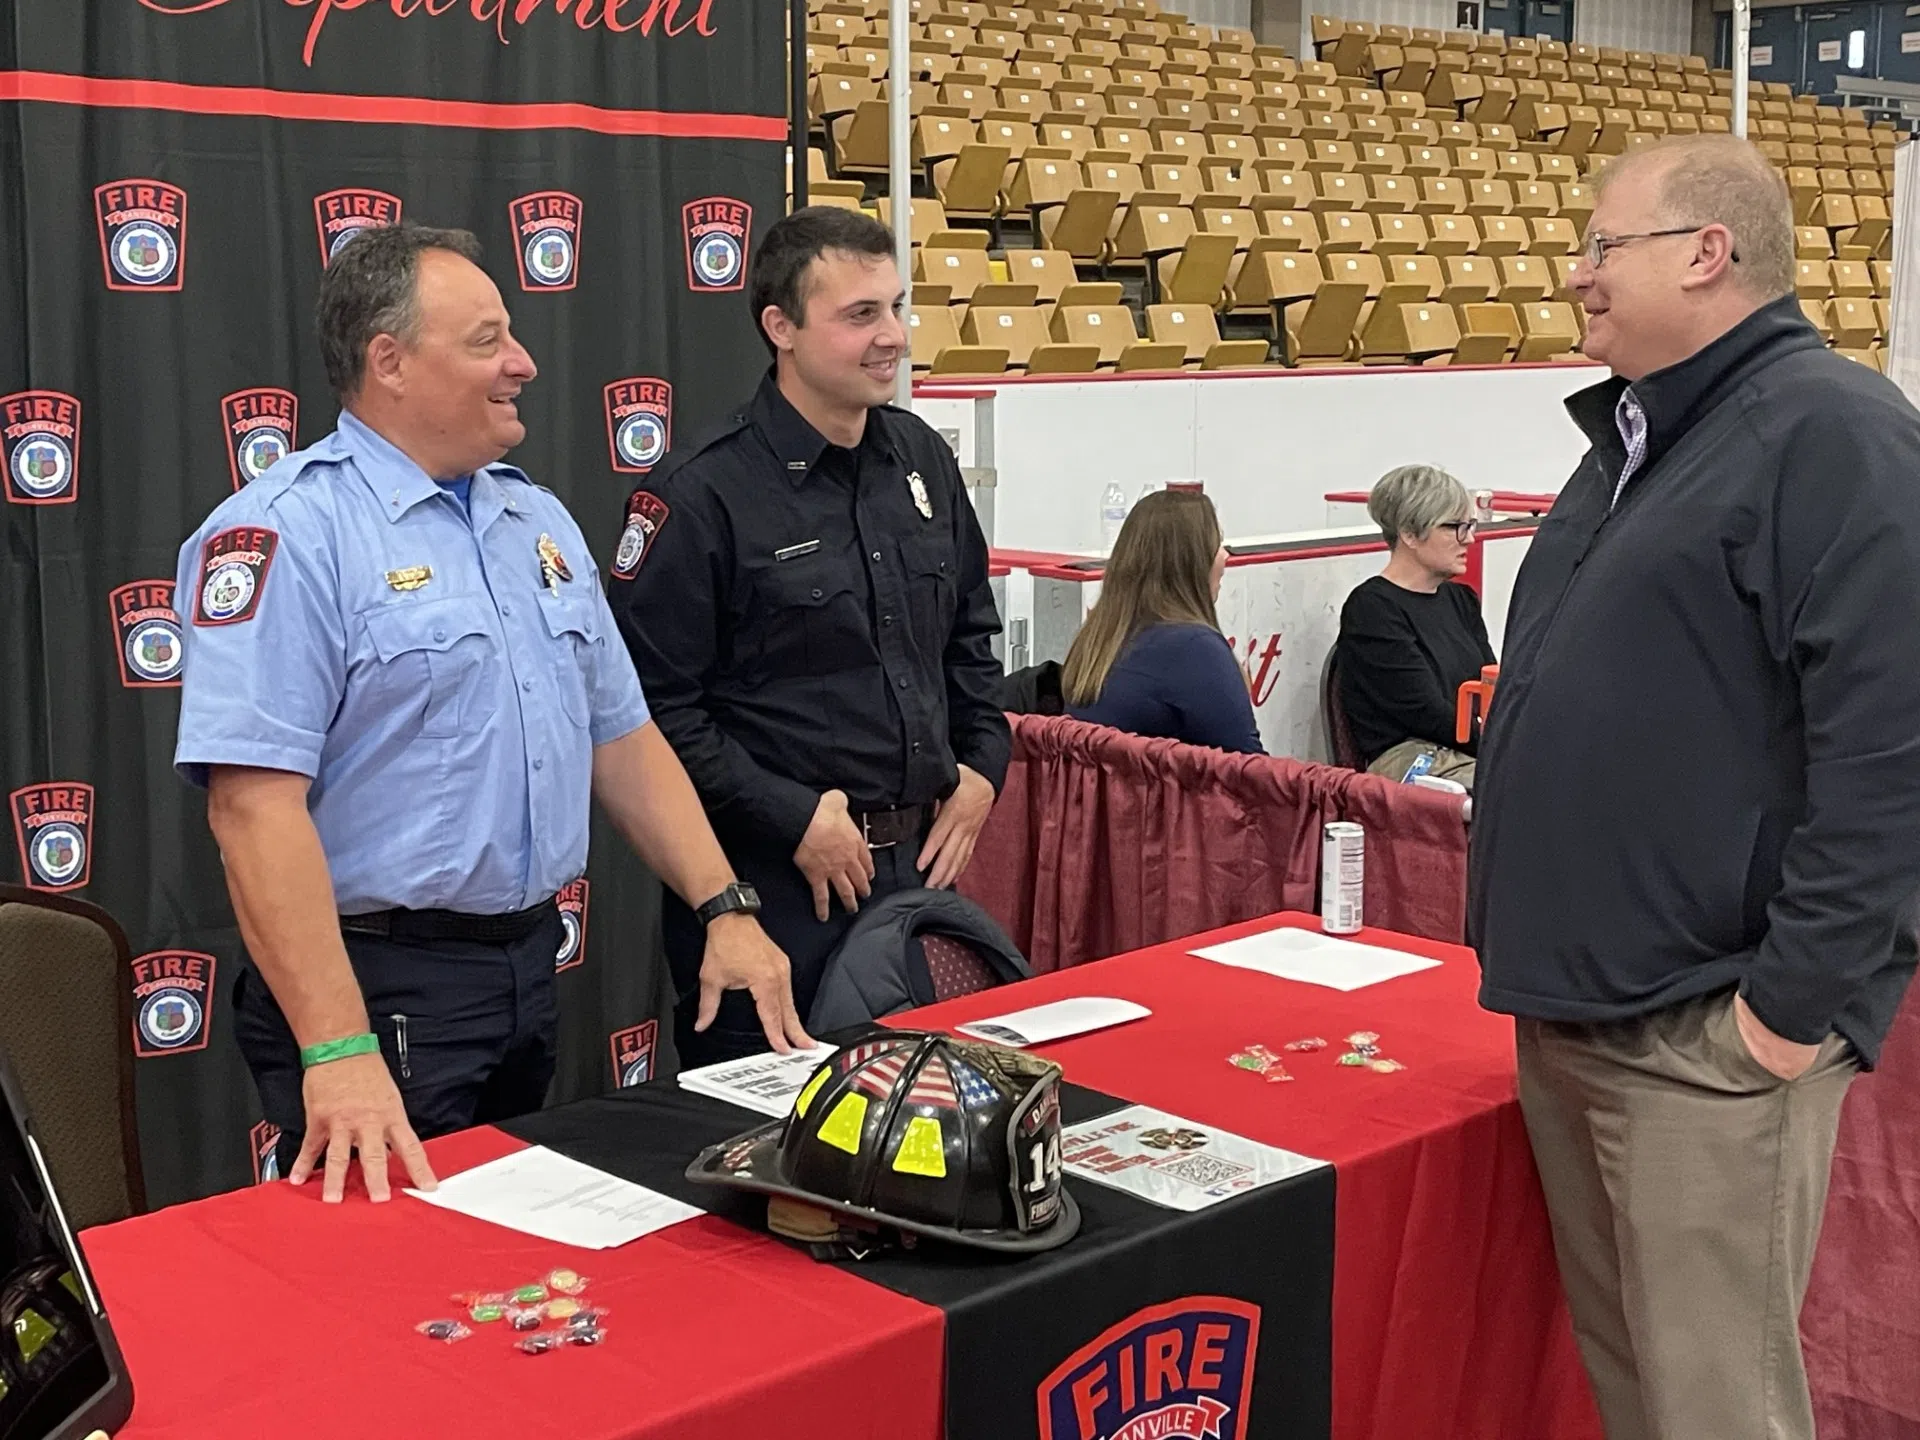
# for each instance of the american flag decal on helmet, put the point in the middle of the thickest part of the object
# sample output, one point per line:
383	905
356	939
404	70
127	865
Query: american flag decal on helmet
877	1069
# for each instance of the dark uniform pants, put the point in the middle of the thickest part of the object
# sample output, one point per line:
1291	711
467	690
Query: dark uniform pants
786	914
466	1028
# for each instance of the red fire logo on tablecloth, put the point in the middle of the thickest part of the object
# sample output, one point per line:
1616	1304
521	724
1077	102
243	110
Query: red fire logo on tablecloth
715	230
633	1053
173	1002
572	900
639	422
260	425
1180	1371
53	823
143	234
546	239
343	214
146	633
40	447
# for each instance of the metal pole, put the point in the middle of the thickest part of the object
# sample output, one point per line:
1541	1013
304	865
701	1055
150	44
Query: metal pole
900	171
797	100
1742	25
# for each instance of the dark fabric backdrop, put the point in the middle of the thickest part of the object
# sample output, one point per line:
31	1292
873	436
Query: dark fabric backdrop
633	107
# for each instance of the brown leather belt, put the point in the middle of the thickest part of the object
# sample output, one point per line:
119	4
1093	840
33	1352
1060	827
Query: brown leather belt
898	825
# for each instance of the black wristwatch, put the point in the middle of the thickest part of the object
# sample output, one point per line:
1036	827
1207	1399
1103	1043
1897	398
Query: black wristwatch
736	899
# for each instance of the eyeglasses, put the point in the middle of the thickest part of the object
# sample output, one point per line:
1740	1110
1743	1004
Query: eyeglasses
1463	530
1599	246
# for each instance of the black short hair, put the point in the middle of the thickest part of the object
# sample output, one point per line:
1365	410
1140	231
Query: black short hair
371	288
781	259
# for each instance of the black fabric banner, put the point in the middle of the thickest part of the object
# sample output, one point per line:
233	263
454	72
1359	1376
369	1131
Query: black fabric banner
1150	1324
173	175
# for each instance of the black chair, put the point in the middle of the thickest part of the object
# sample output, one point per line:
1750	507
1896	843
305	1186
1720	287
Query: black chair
66	1017
1343	751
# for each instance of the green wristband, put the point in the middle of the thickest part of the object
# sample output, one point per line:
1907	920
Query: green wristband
312	1055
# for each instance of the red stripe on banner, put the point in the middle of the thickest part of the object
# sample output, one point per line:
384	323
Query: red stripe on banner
257	101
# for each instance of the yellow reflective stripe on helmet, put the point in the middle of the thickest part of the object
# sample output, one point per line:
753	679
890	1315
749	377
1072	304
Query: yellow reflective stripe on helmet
842	1128
923	1151
805	1097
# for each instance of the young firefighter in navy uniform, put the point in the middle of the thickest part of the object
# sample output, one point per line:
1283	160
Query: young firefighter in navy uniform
805	596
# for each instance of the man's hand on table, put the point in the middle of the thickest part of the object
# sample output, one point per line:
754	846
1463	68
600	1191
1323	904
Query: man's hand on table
741	957
354	1104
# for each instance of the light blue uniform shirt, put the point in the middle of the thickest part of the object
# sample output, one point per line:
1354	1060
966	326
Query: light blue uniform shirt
448	726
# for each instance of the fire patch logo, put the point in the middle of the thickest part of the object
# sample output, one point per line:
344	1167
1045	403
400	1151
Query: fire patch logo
639	422
143	234
40	444
54	826
233	573
716	234
572	900
146	629
260	425
633	1054
546	239
1180	1371
646	516
264	1141
173	998
343	214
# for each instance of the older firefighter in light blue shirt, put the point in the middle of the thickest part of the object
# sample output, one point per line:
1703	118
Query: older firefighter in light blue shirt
402	690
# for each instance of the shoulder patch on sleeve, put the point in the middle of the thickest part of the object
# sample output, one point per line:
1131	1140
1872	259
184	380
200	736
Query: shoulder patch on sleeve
233	574
646	517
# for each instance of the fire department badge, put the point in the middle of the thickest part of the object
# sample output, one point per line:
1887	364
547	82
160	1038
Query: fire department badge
343	214
572	900
1178	1371
633	1054
546	238
146	630
715	230
646	515
143	234
40	446
260	425
639	422
233	574
54	825
173	998
264	1141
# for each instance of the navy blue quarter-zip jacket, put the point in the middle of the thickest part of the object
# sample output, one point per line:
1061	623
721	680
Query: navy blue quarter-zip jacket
1702	766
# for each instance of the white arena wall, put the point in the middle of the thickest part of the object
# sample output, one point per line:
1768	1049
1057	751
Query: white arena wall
1268	446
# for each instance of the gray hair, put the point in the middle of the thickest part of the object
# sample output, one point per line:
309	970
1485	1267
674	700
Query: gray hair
1415	498
1723	180
370	289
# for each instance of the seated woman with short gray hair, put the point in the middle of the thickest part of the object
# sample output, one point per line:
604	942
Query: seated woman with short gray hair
1410	637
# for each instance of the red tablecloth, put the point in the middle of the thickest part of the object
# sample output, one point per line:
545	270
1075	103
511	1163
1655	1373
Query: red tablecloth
1449	1320
263	1313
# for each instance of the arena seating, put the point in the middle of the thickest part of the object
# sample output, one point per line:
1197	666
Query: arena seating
1087	171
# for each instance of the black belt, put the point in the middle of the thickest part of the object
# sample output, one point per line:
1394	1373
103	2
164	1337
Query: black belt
450	924
896	825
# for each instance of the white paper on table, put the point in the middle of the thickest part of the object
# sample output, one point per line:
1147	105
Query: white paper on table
1316	959
1174	1162
764	1083
541	1192
1041	1023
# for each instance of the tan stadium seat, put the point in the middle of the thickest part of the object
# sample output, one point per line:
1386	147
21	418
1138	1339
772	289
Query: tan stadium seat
1325	330
1421	272
970	184
1882	272
1198	274
1391	194
1576	206
936	348
1503	235
1852	278
1453	235
1193	328
1345	230
963	271
1470	280
1547	331
1284	189
1552	235
1401	234
1381	158
1230	220
1109	328
1428	161
1524	279
1124	141
1442	195
1852	323
1873	231
1051	271
1022	331
1489	197
1398	332
1338	191
1154	225
1225	182
1471	162
1813	280
1536	199
1291	153
1489	333
859	140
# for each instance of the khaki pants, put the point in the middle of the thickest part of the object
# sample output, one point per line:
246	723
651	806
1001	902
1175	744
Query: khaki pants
1685	1184
1447	764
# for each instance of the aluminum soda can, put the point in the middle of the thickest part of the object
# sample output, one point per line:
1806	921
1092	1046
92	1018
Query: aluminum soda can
1343	865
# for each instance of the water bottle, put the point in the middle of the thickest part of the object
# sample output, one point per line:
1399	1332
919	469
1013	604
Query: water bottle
1113	514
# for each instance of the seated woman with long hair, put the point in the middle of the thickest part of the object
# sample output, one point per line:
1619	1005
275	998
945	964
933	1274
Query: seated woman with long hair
1151	659
1410	637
